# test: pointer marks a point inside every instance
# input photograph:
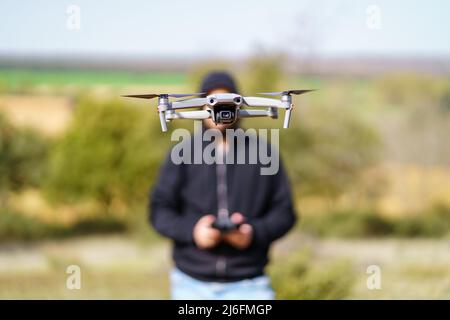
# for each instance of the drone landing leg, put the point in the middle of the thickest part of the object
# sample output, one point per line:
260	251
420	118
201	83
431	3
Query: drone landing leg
287	118
162	119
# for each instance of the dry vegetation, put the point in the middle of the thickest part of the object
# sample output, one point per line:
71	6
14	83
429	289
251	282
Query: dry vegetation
346	194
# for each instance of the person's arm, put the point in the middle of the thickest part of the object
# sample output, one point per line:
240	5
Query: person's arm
164	204
280	216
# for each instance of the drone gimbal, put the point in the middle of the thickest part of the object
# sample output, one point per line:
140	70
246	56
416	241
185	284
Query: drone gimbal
222	108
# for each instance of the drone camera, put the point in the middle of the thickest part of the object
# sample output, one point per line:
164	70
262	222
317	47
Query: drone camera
224	107
224	113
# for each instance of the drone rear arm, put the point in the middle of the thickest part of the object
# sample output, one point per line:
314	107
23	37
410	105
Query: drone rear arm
254	113
205	114
272	105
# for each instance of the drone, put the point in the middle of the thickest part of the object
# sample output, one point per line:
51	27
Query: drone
222	108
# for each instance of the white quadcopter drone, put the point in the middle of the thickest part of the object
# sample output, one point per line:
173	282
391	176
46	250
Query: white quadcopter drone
222	108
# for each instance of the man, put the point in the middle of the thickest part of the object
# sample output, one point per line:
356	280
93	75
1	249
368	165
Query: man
186	201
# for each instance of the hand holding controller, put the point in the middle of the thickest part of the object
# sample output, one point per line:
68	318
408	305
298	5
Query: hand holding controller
224	224
238	233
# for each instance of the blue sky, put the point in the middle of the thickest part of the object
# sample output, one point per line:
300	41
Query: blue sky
225	28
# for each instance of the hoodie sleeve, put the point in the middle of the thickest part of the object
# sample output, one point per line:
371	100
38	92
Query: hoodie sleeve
280	216
164	204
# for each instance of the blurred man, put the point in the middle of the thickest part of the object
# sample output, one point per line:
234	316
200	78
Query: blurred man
188	198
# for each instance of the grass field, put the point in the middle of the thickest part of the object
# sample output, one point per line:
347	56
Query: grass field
16	77
120	267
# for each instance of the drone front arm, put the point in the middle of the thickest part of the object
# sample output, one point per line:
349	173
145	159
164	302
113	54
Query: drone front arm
190	103
263	102
193	115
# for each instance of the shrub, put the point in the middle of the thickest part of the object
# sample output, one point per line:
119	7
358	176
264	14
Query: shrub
406	89
328	150
347	224
433	223
15	226
110	152
357	224
329	146
297	278
23	157
264	73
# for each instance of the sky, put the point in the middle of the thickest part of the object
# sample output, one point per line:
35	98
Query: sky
199	28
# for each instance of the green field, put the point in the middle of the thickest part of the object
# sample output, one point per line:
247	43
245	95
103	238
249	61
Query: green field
18	77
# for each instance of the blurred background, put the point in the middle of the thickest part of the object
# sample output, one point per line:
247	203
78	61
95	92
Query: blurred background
368	155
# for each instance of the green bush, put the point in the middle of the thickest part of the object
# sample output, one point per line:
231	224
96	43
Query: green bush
17	227
14	226
23	157
433	223
413	89
347	224
264	73
328	144
358	224
297	278
111	151
328	149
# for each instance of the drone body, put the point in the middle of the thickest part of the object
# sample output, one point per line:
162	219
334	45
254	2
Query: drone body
222	108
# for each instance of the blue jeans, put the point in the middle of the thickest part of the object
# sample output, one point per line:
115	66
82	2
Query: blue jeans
186	287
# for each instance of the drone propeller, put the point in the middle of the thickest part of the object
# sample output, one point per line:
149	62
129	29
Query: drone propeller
154	95
287	92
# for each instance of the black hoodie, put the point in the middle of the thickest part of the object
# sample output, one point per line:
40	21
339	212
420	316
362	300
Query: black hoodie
184	193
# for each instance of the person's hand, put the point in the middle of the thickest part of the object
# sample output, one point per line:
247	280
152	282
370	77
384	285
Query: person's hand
242	237
205	236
